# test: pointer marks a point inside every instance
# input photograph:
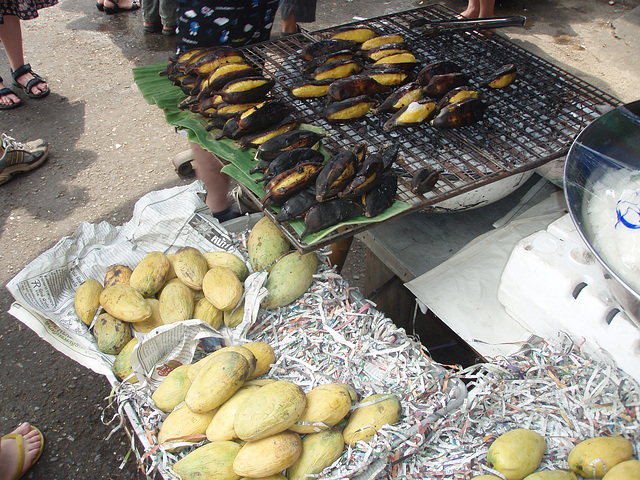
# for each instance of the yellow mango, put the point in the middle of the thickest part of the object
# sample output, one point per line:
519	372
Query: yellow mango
176	302
172	390
206	312
375	412
233	318
289	278
552	475
627	470
222	288
87	300
265	357
221	425
122	364
319	450
204	362
111	334
183	422
594	457
117	274
155	320
326	406
217	382
190	266
228	259
268	456
486	477
266	243
517	453
150	274
125	302
212	461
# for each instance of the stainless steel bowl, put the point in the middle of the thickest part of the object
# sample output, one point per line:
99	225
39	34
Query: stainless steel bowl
609	144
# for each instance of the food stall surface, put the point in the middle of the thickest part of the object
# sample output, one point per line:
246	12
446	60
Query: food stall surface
108	148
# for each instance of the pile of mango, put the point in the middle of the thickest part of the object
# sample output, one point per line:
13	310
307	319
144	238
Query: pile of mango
518	453
258	428
188	284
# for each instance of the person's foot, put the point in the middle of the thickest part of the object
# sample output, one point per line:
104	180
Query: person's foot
470	14
8	99
117	6
148	27
17	157
24	443
37	89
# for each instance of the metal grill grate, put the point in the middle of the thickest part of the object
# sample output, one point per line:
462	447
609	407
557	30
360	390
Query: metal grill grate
527	124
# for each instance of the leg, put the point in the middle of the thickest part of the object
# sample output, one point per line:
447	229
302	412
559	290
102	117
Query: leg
486	8
473	9
151	15
168	14
208	170
11	38
10	455
289	24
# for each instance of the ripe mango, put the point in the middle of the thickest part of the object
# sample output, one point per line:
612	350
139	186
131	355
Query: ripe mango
326	406
228	259
233	318
266	243
265	357
190	266
552	475
222	288
172	390
212	461
365	421
183	422
117	274
111	334
221	426
319	450
627	470
122	364
217	382
125	302
268	456
176	302
486	477
516	453
155	320
594	457
206	312
150	274
289	278
87	300
197	367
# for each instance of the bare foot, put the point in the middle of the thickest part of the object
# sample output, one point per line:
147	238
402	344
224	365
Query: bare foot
470	13
9	451
9	98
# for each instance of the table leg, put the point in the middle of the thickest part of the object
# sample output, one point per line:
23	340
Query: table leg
339	252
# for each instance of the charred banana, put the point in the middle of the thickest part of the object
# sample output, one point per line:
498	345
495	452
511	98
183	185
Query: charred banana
263	115
337	69
424	180
389	76
437	68
459	114
441	84
311	65
325	47
289	159
412	115
273	147
354	86
382	51
366	177
381	196
245	90
503	77
225	73
312	88
290	182
376	42
402	60
327	214
349	109
358	34
255	140
297	205
207	63
336	175
401	97
457	94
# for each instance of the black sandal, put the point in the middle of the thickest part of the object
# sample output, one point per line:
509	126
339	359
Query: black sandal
36	80
117	9
7	91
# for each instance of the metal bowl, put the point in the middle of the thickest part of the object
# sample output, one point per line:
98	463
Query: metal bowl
605	151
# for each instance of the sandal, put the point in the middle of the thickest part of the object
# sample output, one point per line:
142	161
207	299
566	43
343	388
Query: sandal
36	80
153	28
7	91
21	457
117	9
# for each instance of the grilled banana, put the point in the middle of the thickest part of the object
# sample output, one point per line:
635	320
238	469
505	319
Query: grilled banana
245	90
388	76
336	175
286	184
382	51
358	34
360	151
289	159
213	59
187	59
231	130
349	109
225	73
401	97
503	77
263	115
402	60
324	47
381	196
205	107
438	68
366	177
424	180
327	214
311	65
297	205
337	69
227	110
389	155
312	88
412	115
459	114
456	94
441	84
273	147
376	42
354	86
289	123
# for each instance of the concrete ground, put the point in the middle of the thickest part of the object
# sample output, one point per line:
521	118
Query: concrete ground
109	147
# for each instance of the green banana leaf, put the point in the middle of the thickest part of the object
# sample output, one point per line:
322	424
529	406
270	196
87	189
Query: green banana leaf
158	90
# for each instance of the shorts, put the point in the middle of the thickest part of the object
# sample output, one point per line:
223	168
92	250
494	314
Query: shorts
304	11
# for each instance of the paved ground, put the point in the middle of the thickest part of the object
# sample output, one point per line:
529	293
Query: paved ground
108	147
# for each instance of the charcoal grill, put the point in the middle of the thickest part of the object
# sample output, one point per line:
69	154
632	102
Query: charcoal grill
527	124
